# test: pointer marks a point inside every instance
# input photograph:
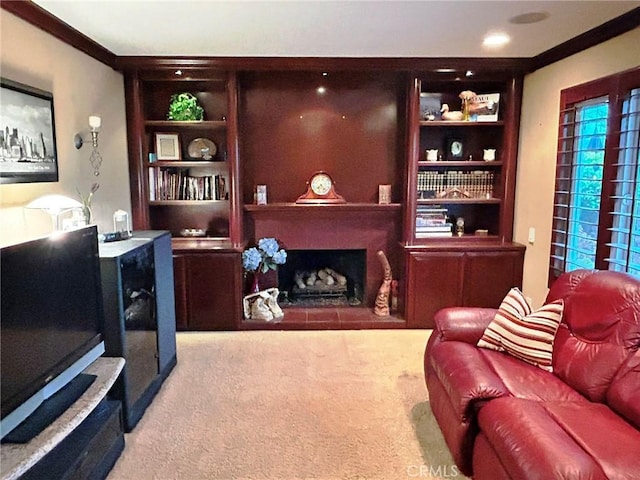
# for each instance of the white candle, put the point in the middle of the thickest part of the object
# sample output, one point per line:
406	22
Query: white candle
95	122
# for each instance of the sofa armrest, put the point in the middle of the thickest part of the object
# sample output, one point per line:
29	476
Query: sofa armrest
463	324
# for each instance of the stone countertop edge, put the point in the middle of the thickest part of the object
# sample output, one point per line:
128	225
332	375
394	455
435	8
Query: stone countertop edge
16	459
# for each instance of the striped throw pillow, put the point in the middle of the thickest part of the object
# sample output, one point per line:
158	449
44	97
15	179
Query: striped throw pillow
522	333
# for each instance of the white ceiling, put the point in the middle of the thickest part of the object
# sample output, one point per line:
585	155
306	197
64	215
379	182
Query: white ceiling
312	28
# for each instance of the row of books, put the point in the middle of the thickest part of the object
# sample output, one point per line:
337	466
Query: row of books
474	184
172	184
433	221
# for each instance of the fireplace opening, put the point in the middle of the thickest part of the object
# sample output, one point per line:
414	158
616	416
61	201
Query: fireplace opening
314	278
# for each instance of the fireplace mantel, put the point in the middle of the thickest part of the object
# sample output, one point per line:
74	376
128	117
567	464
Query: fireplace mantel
291	208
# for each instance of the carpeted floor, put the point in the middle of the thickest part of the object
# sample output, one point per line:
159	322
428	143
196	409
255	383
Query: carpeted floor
329	405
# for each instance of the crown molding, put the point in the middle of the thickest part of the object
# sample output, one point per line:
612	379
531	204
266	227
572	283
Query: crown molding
42	19
588	39
47	22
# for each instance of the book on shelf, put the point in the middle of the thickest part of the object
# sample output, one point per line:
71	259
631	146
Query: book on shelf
432	217
486	105
447	227
434	234
471	184
166	184
428	220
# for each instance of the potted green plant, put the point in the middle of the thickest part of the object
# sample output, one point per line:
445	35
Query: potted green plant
185	107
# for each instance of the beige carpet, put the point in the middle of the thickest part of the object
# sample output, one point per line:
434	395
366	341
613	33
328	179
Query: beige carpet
291	405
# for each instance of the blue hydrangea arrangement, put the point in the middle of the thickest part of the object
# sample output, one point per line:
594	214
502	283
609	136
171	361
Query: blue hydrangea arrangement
266	256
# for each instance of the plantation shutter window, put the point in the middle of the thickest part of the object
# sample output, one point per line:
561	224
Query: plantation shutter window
596	211
625	231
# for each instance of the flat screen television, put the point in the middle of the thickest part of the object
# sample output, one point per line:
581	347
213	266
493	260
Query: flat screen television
51	318
28	136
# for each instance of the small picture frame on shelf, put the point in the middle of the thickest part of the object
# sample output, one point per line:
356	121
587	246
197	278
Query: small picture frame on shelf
455	148
168	146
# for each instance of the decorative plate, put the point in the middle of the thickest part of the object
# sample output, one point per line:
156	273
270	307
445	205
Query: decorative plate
201	149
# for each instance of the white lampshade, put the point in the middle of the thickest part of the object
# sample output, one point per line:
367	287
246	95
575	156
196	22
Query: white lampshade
54	204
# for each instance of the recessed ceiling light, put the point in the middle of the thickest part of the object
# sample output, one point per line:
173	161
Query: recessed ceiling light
178	72
529	17
495	40
321	90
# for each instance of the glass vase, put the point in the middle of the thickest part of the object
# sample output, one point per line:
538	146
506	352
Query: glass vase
255	283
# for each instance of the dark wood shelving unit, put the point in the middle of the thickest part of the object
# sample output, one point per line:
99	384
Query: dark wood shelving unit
470	269
272	128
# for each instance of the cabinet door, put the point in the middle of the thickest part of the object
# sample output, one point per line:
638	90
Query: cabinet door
180	286
488	276
213	291
434	281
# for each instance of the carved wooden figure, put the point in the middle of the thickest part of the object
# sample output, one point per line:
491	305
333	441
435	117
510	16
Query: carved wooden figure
381	307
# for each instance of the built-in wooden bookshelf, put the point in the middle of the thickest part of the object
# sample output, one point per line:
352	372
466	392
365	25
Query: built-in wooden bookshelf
277	127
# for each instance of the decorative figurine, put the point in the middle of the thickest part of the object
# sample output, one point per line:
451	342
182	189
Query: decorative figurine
381	307
454	116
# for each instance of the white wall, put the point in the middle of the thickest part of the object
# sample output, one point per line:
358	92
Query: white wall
81	86
538	145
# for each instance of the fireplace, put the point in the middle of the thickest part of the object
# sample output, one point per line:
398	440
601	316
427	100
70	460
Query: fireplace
319	278
325	229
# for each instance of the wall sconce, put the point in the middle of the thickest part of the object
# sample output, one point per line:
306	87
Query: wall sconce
95	123
55	205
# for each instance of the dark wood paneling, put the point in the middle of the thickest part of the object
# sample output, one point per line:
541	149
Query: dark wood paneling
288	131
403	64
138	177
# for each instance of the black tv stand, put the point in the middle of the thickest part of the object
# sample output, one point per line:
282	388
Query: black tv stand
50	409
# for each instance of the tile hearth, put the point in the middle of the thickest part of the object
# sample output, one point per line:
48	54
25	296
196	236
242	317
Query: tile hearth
325	318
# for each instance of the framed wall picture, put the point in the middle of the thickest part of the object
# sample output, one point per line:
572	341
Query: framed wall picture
168	146
28	137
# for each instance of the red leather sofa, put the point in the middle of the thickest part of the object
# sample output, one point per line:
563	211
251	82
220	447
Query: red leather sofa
504	418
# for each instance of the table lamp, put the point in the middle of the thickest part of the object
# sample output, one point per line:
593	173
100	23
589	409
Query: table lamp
55	205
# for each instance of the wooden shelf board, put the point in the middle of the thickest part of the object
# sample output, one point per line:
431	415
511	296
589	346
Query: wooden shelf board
459	163
219	244
342	207
187	124
183	202
184	163
469	201
443	123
